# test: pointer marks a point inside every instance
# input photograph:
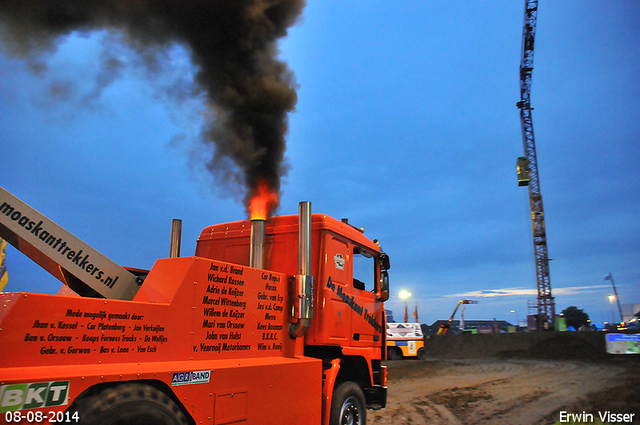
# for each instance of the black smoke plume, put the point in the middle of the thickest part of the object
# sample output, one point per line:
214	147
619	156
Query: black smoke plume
232	44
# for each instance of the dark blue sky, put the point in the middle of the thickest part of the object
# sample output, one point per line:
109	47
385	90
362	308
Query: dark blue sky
405	123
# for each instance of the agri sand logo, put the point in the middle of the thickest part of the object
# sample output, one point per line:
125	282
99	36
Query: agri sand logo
33	396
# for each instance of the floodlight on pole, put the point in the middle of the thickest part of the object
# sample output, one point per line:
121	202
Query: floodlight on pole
615	295
612	298
405	296
516	313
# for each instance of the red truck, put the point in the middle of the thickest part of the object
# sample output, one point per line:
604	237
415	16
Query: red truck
273	321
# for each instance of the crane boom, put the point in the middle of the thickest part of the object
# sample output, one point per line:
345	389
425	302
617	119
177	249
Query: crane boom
75	263
546	303
444	327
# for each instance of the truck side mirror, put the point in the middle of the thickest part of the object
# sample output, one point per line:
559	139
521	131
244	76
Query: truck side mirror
384	286
384	261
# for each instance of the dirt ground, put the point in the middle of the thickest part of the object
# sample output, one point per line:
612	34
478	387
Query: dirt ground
511	387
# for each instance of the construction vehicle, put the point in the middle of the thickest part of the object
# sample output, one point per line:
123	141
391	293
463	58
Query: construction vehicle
405	340
444	328
245	331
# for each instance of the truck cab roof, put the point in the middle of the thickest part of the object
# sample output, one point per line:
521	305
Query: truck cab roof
230	241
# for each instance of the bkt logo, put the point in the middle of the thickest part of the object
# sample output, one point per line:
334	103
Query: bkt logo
32	396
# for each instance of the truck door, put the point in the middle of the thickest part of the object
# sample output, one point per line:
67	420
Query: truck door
348	312
334	320
367	322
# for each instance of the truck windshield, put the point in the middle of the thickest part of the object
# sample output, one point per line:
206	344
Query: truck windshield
363	270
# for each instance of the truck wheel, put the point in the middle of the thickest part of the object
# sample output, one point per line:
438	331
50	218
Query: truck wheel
422	353
394	353
348	406
128	404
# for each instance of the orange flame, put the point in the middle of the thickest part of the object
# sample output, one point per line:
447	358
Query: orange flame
262	202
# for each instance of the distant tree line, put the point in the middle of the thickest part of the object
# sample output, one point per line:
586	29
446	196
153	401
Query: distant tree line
575	317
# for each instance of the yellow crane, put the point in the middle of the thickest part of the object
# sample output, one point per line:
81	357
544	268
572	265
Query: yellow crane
445	326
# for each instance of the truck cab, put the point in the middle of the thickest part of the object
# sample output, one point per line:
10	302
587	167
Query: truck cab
346	267
350	287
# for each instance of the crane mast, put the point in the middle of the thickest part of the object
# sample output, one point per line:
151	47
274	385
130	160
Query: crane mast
546	303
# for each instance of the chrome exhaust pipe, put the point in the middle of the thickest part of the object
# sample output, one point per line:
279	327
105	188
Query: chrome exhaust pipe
303	308
256	243
176	237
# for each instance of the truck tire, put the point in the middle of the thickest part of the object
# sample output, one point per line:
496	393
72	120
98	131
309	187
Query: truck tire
128	404
348	406
422	353
394	353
